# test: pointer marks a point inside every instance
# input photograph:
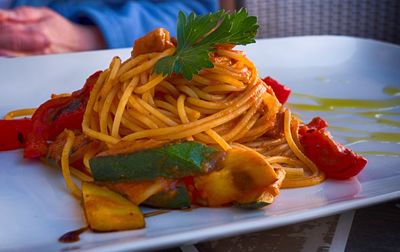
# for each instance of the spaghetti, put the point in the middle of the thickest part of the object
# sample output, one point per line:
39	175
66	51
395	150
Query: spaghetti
167	130
227	106
222	106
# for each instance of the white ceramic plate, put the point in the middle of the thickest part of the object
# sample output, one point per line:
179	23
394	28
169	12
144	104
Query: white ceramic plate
36	209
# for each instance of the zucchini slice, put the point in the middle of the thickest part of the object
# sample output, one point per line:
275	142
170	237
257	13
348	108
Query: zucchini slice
267	196
265	199
172	161
177	198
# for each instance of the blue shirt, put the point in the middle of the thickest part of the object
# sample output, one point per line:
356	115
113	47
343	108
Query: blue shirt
121	22
4	4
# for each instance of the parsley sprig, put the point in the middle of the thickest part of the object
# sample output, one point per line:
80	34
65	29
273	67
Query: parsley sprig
198	35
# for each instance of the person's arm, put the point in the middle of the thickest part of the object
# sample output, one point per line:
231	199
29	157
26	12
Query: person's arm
67	26
121	22
39	30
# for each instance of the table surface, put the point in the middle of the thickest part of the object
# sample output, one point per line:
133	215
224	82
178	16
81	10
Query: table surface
374	228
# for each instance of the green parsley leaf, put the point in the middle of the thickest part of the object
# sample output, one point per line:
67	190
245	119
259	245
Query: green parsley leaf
198	35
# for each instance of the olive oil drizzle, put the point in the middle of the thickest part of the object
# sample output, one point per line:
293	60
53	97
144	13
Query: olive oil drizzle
378	137
376	111
375	136
377	114
392	91
327	104
388	122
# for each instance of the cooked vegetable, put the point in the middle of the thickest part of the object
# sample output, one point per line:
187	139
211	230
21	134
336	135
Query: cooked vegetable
262	197
171	161
337	161
13	133
139	191
55	115
198	35
177	198
160	192
157	40
244	173
263	200
118	129
281	91
81	144
106	210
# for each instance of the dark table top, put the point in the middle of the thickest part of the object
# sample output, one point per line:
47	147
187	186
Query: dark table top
374	228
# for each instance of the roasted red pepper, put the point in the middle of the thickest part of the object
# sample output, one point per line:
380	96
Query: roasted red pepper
281	91
55	115
195	195
13	133
337	161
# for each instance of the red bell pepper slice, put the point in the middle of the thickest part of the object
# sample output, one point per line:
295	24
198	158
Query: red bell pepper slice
13	133
281	91
55	115
337	161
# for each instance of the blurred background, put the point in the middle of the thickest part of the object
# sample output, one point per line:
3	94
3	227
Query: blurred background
374	228
31	27
375	19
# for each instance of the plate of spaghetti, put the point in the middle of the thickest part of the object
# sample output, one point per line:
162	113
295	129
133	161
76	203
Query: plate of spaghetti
180	140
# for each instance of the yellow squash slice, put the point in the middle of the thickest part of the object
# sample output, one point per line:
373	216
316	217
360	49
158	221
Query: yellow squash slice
244	174
106	210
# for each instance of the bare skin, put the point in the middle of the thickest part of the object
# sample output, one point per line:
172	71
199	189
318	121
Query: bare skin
228	5
31	31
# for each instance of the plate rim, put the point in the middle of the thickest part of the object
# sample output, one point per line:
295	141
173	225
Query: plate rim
241	226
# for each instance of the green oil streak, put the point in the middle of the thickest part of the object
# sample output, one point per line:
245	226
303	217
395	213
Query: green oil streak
377	113
377	137
380	153
381	121
369	136
345	129
309	107
366	114
388	122
332	103
349	120
392	91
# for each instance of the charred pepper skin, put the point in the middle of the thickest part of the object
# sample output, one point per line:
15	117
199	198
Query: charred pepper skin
55	115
